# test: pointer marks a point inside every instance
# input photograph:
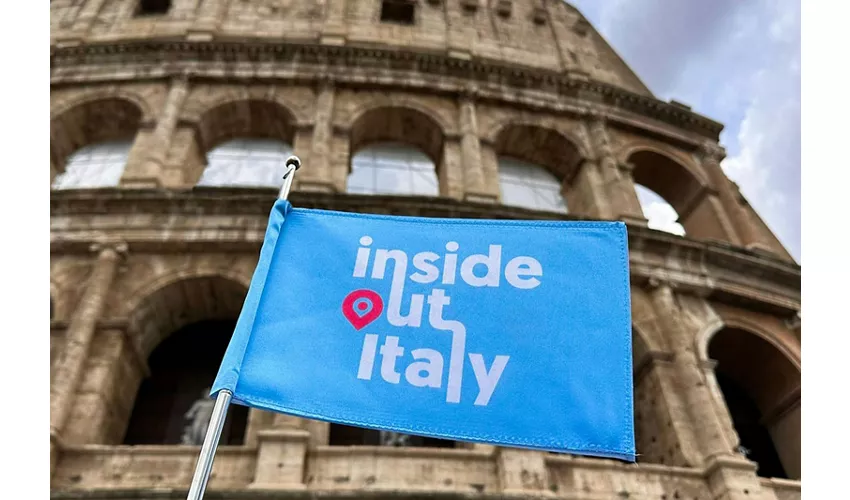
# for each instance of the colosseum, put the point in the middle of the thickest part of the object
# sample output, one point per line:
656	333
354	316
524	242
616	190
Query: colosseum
170	122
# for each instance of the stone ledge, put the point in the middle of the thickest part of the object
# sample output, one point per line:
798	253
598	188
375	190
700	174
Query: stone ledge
234	220
328	58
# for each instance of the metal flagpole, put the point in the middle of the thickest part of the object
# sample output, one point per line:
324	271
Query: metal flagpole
222	400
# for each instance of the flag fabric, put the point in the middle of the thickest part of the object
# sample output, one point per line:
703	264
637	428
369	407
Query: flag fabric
512	333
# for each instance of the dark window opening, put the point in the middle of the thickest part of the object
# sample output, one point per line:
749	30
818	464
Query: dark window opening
153	7
755	439
173	404
397	11
345	435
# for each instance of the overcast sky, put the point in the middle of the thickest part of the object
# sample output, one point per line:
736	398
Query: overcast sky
734	61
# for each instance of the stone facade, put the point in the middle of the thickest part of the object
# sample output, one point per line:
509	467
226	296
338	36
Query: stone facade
466	82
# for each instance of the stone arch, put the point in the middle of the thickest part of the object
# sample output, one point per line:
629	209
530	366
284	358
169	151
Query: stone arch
682	160
90	121
246	117
444	122
761	400
536	165
96	94
200	102
256	135
494	131
551	148
182	326
680	185
410	125
175	300
710	330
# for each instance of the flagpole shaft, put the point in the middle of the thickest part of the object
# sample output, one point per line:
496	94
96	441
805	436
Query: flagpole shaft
205	461
222	400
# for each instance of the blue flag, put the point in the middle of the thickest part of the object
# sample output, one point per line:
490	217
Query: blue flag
513	333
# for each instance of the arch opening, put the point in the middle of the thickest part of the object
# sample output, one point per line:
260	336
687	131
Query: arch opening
668	189
536	165
183	328
392	168
173	404
528	185
346	435
247	143
761	389
90	143
247	162
660	215
395	151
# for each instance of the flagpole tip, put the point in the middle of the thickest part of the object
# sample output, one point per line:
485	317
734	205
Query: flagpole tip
295	161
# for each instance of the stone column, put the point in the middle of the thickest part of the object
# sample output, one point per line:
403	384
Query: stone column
490	168
316	176
744	230
302	147
340	158
210	13
281	459
733	478
618	183
475	189
104	399
80	334
334	29
86	16
149	172
522	472
585	192
450	169
690	390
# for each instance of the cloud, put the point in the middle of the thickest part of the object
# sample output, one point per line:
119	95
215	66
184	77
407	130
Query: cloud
659	214
737	62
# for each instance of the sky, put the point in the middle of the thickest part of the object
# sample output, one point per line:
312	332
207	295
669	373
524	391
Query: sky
736	62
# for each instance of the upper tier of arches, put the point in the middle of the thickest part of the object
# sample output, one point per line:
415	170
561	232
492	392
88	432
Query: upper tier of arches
382	143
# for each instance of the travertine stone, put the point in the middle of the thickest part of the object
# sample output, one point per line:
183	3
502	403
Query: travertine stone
522	472
280	459
81	332
618	181
467	83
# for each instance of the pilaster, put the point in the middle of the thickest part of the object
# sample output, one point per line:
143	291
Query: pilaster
475	189
690	396
450	169
522	472
618	185
81	331
149	172
586	192
210	15
281	459
317	176
732	478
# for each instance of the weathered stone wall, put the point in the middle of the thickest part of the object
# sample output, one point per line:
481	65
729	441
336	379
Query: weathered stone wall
469	81
546	33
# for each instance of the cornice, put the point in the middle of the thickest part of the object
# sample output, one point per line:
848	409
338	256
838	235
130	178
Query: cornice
252	60
234	220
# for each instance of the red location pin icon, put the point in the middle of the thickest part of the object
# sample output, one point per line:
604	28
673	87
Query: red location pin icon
362	307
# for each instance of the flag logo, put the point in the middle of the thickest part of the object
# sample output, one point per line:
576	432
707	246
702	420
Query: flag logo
362	307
